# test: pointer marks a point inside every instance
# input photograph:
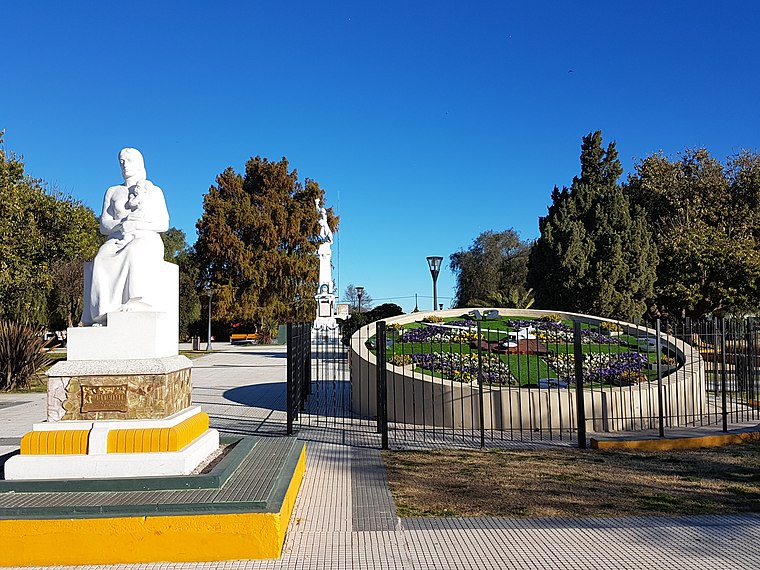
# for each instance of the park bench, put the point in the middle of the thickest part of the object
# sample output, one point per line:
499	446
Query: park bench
243	338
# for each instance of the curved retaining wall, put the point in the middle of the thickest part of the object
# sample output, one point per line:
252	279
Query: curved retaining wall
417	398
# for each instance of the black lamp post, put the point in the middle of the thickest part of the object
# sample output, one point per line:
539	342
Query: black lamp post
360	294
210	293
434	262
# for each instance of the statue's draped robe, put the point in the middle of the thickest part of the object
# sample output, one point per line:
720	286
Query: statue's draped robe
126	268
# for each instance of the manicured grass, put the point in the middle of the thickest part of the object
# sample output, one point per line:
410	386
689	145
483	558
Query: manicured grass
575	483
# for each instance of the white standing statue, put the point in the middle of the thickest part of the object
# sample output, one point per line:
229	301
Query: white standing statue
324	251
324	228
326	289
125	270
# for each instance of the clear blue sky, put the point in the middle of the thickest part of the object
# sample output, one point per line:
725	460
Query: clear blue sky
426	122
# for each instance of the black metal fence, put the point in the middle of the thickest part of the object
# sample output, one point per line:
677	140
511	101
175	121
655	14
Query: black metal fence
299	370
492	382
320	390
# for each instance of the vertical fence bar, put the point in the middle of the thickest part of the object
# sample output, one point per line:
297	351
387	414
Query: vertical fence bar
481	413
660	395
724	398
750	360
754	355
290	380
580	403
305	339
382	383
378	373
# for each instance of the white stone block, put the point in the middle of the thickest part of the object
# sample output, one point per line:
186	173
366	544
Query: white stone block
128	336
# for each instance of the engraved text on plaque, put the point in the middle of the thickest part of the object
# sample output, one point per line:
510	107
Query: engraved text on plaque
104	398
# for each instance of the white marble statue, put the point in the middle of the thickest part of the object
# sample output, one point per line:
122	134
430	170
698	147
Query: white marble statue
125	270
324	228
324	251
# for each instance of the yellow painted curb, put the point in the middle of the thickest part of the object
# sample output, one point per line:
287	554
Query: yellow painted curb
69	442
147	440
677	443
140	440
183	538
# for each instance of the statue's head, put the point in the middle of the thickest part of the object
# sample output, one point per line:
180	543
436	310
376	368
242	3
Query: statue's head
132	164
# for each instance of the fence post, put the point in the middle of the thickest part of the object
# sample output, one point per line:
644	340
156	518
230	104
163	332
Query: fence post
305	335
580	403
750	340
660	395
289	382
724	398
382	380
481	413
751	352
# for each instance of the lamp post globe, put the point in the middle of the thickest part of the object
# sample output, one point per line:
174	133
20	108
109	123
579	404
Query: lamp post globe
359	295
434	263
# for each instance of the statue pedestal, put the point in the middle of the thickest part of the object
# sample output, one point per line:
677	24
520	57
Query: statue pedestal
118	407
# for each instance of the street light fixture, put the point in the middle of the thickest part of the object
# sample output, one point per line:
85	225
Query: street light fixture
434	262
360	294
210	293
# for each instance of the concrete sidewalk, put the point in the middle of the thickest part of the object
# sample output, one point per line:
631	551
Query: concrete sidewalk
344	516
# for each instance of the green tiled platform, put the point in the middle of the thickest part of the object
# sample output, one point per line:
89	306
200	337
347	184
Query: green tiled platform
253	477
240	509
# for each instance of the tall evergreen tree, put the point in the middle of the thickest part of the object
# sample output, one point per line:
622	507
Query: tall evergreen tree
595	253
706	221
257	243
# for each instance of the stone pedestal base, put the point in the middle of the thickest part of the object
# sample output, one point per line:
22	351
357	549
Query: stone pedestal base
119	389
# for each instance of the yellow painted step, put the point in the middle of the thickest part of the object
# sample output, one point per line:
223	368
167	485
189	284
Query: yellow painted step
58	442
147	440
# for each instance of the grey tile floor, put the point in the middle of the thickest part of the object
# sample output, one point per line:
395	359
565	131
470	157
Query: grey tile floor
344	516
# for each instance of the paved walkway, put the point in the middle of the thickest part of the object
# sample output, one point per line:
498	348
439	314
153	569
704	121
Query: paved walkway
344	516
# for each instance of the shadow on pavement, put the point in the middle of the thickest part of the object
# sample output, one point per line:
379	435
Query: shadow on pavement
270	396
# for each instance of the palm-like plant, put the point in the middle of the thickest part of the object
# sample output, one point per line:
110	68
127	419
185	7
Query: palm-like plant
22	354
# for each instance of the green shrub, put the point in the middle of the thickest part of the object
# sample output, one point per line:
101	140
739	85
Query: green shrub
22	354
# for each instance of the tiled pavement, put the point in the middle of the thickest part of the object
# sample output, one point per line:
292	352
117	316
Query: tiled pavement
344	516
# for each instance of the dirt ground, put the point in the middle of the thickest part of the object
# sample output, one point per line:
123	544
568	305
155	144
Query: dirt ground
574	482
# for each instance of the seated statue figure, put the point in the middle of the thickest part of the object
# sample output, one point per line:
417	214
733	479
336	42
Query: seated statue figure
125	270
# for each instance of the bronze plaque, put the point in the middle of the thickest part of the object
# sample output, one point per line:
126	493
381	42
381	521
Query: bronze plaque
104	398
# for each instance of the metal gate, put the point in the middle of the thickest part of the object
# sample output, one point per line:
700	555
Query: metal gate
320	390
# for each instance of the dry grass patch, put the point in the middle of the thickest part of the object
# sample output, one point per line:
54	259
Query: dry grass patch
575	483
